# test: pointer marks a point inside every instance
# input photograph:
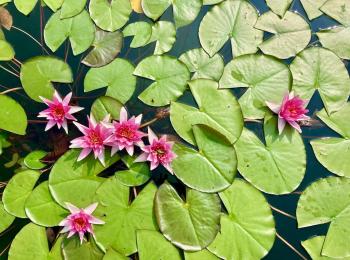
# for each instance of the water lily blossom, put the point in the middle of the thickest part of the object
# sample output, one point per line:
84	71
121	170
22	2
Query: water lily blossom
126	133
80	221
292	110
94	139
59	111
159	151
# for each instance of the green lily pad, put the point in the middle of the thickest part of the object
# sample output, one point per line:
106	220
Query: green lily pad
6	219
266	79
123	219
277	167
76	182
201	255
248	231
42	209
110	15
117	76
202	65
320	69
79	29
72	8
291	34
56	251
141	31
333	152
185	12
336	39
107	45
54	5
328	201
312	8
30	243
170	76
212	168
32	160
338	10
164	34
192	224
37	75
279	7
25	6
217	109
136	175
13	118
231	20
72	249
6	51
211	2
104	106
111	254
153	245
18	190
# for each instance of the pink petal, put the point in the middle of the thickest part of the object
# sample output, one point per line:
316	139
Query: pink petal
81	236
84	153
130	150
274	107
71	233
82	128
49	125
96	221
151	136
46	101
65	126
65	229
138	119
63	223
154	165
295	125
281	125
114	150
169	168
123	115
142	158
73	209
67	99
57	97
75	109
91	208
101	158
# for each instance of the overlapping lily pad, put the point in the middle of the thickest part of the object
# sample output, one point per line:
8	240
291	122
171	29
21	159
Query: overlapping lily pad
6	218
6	51
192	224
231	20
72	8
164	34
73	249
141	31
336	39
13	118
328	201
279	7
32	160
200	255
338	10
312	7
104	106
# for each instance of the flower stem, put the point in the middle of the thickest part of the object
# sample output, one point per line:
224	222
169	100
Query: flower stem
37	122
282	212
30	36
9	71
10	90
291	247
149	122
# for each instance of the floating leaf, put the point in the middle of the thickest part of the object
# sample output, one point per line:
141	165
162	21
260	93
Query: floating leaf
338	10
6	51
211	2
320	69
185	12
6	219
170	76
203	66
201	255
333	152
104	106
30	243
153	245
79	29
6	20
18	190
136	6
25	6
32	160
141	31
122	219
13	118
277	167
118	13
38	73
72	249
328	201
164	33
76	182
215	162
117	76
191	224
4	1
291	34
279	7
248	231
111	254
54	5
231	20
107	45
266	78
72	8
56	251
312	7
336	39
42	209
217	109
136	175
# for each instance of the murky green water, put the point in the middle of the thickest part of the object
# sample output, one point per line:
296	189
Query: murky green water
187	39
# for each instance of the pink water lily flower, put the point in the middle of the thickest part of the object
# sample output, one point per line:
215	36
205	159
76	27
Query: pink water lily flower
159	151
80	221
292	110
94	139
59	111
126	133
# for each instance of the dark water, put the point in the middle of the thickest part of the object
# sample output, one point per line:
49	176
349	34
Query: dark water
187	39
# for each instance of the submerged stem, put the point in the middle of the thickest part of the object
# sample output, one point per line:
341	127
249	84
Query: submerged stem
30	36
9	71
149	122
10	90
291	247
282	212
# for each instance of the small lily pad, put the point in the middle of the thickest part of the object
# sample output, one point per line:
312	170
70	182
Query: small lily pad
164	34
13	118
6	51
72	8
141	31
104	106
32	160
279	7
336	39
312	7
6	219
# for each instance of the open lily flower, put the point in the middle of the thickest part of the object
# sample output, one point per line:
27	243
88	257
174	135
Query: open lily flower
59	111
126	133
290	111
94	139
80	221
159	151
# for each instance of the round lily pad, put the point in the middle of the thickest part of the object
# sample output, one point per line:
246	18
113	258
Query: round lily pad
231	20
279	7
164	34
266	79
32	160
328	201
336	39
6	219
136	175
72	8
25	6
104	106
141	31
13	118
339	10
6	51
192	224
248	230
212	168
73	249
277	167
312	7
